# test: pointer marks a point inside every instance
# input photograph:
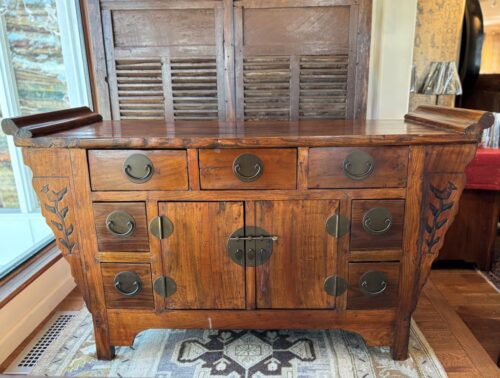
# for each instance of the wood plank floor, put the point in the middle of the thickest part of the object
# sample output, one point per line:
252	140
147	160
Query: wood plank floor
452	301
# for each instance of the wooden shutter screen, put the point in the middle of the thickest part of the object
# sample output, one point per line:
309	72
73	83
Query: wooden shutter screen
229	59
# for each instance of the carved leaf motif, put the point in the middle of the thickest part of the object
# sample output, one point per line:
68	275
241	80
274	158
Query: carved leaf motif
441	223
70	230
64	212
434	210
60	194
49	208
428	228
59	226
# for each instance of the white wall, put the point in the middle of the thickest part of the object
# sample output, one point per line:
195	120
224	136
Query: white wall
26	311
393	35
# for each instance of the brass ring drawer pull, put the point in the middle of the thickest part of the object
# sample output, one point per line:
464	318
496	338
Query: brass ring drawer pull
358	165
373	283
248	167
111	228
128	283
120	224
377	221
138	168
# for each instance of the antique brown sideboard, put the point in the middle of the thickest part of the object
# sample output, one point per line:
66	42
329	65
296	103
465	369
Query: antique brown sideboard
269	224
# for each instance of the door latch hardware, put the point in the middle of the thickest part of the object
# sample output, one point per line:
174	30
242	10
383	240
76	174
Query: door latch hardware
250	246
337	225
161	227
165	286
335	286
249	238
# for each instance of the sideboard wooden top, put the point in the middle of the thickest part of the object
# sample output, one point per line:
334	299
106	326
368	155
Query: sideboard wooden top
80	128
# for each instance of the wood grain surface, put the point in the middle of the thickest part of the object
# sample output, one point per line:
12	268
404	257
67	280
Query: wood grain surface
326	167
108	242
107	171
279	169
303	247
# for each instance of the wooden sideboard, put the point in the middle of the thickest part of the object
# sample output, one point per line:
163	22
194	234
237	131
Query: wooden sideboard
265	224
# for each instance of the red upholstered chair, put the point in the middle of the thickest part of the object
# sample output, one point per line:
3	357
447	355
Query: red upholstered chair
472	236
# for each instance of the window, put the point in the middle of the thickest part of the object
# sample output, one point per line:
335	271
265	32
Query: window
42	68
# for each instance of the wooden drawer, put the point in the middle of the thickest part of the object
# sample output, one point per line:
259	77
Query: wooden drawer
377	224
143	298
373	285
121	226
150	170
248	168
363	167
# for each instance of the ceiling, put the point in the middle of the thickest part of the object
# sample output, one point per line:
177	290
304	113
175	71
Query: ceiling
491	12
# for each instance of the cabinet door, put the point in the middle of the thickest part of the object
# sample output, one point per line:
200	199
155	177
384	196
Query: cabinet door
195	255
302	258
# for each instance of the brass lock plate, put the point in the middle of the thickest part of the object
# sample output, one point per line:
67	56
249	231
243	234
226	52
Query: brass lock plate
120	224
335	286
337	225
358	165
138	168
248	167
165	286
250	246
377	221
373	283
161	227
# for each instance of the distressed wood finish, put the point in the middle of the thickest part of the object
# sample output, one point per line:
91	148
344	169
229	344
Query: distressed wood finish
195	256
304	248
107	170
279	169
229	59
362	239
358	300
326	167
419	177
138	240
144	299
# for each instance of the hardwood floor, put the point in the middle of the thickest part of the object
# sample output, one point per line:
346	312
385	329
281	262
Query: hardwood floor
458	312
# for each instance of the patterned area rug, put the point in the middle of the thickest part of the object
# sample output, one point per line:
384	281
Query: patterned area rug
212	353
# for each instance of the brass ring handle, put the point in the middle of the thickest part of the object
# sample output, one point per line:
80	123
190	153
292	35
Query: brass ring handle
383	284
130	230
148	168
137	288
355	175
367	225
237	172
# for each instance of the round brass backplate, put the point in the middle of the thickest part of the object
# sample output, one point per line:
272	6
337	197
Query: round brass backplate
358	165
120	223
335	286
377	221
165	286
248	167
373	283
128	283
138	168
161	227
337	225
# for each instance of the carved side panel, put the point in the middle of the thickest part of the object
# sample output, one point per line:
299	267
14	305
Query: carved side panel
444	182
52	184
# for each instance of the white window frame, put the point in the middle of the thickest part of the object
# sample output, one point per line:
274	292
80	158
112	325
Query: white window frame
78	84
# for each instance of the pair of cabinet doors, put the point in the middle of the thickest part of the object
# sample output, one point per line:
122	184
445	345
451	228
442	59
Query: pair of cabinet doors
195	255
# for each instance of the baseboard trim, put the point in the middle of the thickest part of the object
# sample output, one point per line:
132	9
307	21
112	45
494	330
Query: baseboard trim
23	314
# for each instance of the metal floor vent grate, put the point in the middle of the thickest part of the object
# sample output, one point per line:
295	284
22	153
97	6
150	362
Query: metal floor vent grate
29	357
